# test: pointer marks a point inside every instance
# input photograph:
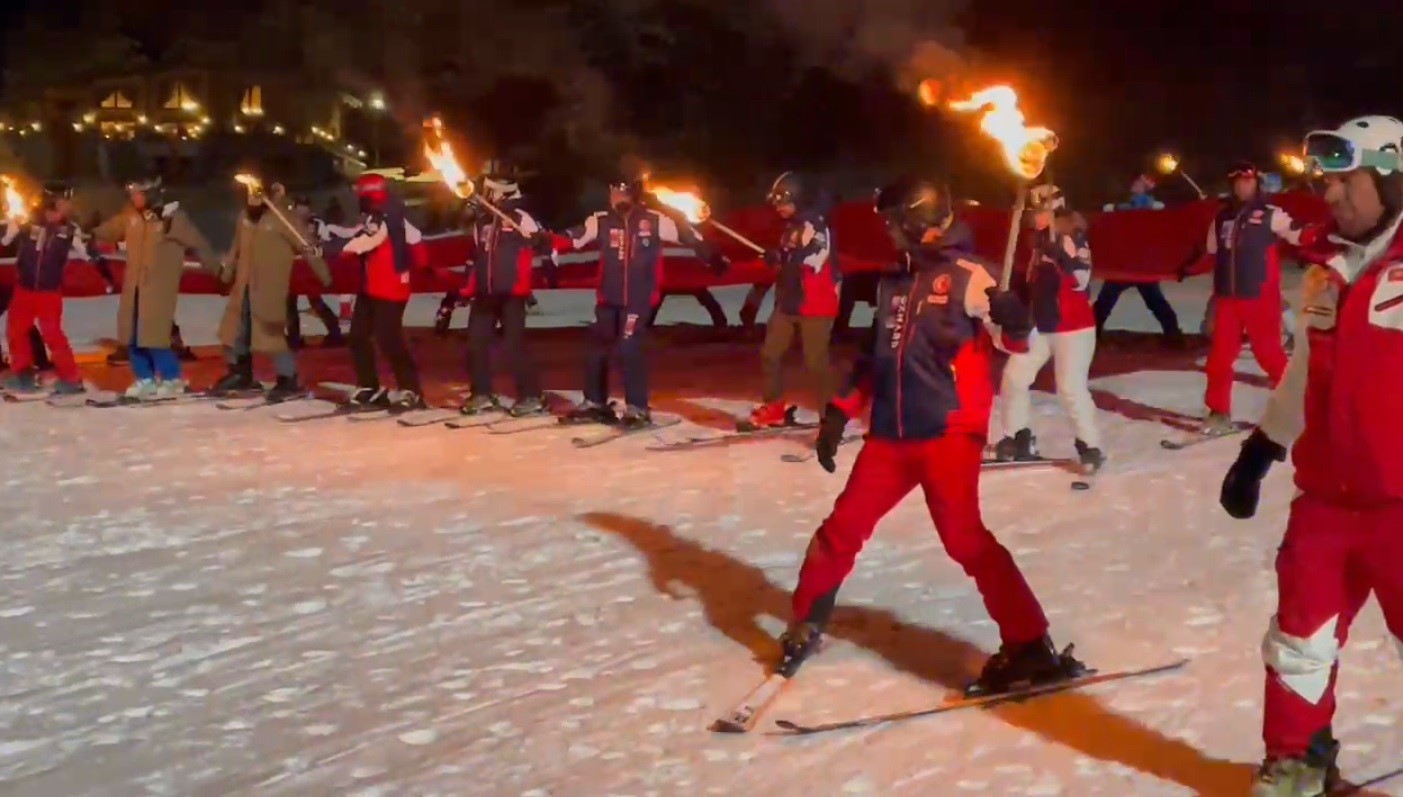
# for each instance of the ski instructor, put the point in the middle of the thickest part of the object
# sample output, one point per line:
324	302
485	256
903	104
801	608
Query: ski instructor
1337	410
926	373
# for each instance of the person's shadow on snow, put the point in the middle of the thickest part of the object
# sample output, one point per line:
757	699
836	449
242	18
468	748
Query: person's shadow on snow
735	594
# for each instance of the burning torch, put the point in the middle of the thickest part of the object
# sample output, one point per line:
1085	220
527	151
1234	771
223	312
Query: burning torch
1025	151
1168	164
697	211
441	158
16	209
255	188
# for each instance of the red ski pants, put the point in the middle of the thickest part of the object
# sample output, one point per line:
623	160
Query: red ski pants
947	471
1332	558
1260	319
46	309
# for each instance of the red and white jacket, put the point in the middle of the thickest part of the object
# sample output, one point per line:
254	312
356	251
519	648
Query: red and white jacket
386	272
1340	405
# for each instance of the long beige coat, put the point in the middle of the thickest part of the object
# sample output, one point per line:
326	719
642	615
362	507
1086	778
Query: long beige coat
156	247
260	263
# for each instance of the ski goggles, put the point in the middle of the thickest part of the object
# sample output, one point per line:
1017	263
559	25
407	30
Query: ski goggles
1329	152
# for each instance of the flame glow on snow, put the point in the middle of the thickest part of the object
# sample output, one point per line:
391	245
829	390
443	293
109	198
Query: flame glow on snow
1025	148
689	204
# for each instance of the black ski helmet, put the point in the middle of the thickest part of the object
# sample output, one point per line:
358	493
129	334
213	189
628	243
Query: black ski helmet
151	189
790	188
912	207
631	185
54	192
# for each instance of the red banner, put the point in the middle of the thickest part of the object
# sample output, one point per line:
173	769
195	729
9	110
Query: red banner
1128	246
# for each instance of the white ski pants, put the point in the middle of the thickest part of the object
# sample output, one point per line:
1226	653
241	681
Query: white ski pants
1071	354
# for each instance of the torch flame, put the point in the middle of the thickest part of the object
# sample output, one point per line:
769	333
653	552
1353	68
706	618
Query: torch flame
253	184
1293	164
1025	148
1167	164
688	204
441	158
15	208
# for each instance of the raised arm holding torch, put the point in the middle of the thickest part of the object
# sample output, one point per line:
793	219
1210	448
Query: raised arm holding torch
697	211
1168	164
255	187
441	158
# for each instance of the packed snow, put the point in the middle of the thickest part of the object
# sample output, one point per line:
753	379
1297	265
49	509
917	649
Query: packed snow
196	602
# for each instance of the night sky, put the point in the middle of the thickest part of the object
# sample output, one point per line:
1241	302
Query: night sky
1119	80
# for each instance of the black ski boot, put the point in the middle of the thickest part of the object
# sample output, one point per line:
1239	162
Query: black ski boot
1023	665
22	384
797	644
536	405
1022	447
478	403
369	398
285	388
407	401
635	418
239	379
589	412
66	388
1092	460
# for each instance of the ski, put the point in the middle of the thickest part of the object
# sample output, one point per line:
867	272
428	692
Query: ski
1346	788
811	454
789	728
479	420
527	423
258	402
429	417
743	716
1020	464
717	440
77	400
1203	437
616	432
25	398
338	411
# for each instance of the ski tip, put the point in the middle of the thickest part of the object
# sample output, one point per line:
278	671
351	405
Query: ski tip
1081	486
727	726
788	726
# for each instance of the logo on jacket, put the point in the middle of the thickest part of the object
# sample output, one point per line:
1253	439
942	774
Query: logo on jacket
1395	274
939	289
645	227
616	239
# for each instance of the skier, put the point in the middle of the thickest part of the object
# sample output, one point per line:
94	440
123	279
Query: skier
1246	289
499	284
926	373
1057	285
303	215
388	245
1337	411
157	234
631	238
259	268
48	242
806	298
1150	292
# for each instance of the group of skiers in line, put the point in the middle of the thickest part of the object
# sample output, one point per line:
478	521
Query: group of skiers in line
924	374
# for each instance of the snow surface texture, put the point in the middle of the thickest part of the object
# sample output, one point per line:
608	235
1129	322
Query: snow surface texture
204	603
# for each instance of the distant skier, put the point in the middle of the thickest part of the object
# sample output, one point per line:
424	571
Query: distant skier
1057	286
157	234
1337	410
388	246
1150	292
806	297
926	374
46	244
631	238
258	270
499	284
1246	289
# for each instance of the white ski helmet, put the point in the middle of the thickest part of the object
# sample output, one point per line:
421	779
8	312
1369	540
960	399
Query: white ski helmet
1368	142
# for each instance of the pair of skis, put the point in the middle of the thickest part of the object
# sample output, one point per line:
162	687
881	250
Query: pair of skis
746	714
1200	437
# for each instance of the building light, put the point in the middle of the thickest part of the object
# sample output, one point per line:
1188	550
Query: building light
78	127
377	102
278	130
238	128
35	126
141	120
89	117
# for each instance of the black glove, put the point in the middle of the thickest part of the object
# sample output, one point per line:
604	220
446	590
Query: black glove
773	257
542	243
830	436
1008	312
1242	487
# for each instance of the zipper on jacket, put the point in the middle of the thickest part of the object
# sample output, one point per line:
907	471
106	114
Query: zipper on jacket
627	252
908	322
1236	244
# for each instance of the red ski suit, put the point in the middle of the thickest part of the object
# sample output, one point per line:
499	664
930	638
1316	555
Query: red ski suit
927	377
1341	405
